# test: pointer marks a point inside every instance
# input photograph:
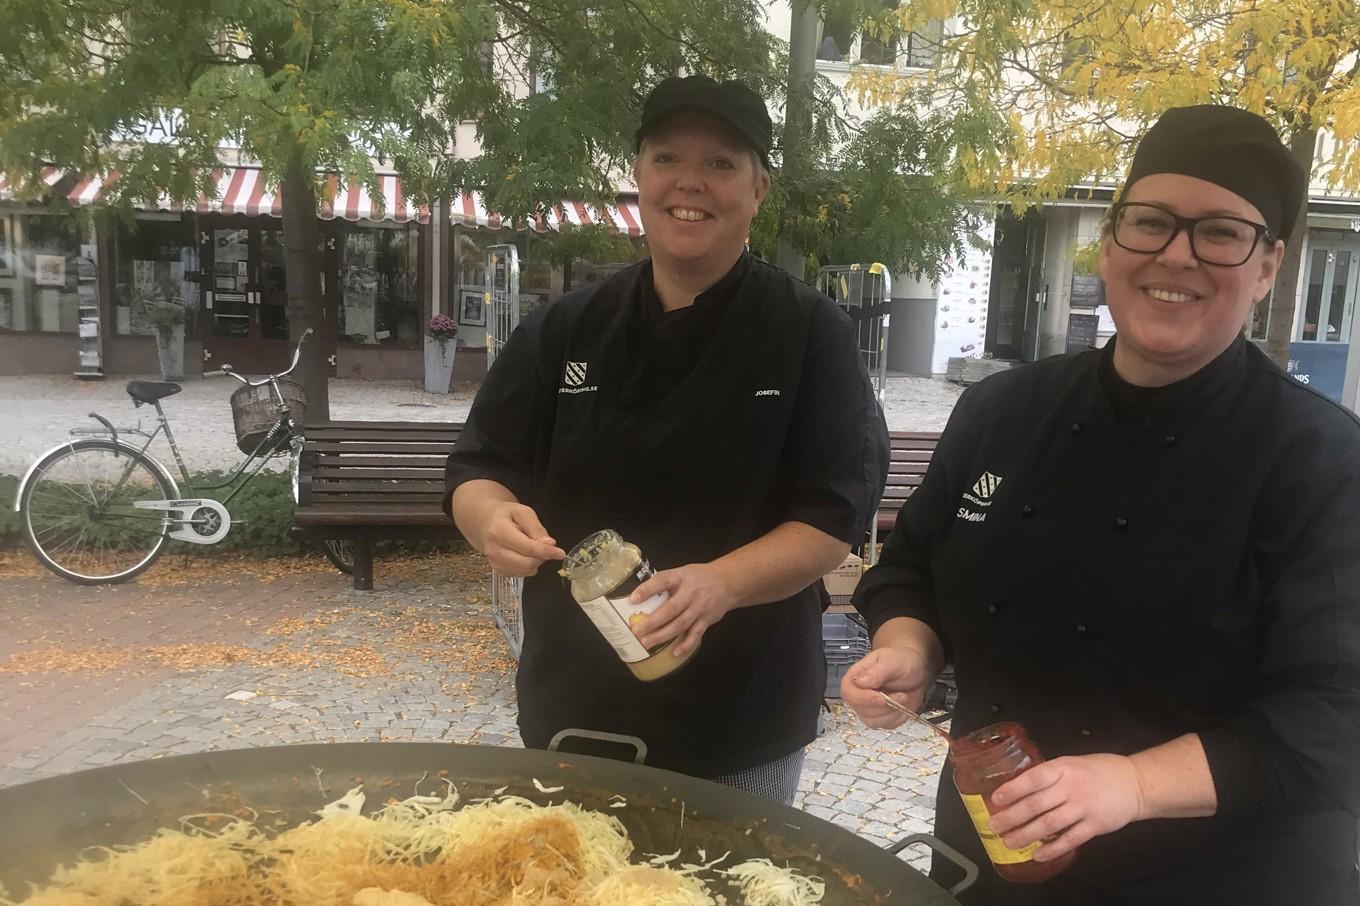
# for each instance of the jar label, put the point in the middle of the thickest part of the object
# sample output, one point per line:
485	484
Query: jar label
616	617
997	850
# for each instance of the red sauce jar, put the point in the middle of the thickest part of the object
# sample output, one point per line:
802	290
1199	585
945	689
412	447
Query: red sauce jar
984	761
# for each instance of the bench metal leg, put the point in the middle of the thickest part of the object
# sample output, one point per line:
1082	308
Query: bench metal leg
363	563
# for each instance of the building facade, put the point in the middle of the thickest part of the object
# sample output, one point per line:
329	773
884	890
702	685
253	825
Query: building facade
79	294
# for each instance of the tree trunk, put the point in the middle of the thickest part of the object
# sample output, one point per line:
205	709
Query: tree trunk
798	116
1280	328
302	268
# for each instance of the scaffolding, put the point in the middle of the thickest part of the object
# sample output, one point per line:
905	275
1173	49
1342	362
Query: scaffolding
863	293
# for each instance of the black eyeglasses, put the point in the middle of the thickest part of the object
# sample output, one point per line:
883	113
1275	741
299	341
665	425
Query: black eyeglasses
1221	240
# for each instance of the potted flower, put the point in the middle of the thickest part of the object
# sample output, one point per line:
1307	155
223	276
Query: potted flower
440	346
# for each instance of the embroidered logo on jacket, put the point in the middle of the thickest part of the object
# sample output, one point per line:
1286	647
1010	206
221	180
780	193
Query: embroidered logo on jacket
574	379
986	485
976	503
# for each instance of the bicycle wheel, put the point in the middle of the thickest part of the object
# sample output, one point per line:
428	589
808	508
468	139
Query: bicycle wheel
79	517
341	554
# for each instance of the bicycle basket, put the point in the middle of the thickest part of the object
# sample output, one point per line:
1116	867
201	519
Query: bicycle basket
255	410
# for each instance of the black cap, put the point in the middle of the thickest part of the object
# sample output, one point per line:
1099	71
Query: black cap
731	102
1232	148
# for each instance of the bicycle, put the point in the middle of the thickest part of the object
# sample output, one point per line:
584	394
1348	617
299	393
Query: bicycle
99	510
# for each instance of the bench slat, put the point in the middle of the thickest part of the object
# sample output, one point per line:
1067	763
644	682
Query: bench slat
385	447
337	460
431	433
391	473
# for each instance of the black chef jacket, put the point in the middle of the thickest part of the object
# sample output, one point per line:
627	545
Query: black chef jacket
1113	583
691	433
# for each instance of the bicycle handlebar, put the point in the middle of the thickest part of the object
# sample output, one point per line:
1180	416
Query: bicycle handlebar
297	356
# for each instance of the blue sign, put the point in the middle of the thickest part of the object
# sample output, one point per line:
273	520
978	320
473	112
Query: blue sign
1321	366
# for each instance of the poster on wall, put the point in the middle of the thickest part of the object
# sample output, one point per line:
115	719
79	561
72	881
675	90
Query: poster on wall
85	265
1321	366
143	276
360	284
6	263
472	308
49	310
49	270
961	305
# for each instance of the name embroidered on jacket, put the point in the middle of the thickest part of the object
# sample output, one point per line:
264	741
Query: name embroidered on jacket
767	393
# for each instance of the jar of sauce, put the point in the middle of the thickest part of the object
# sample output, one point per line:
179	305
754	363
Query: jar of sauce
984	761
604	570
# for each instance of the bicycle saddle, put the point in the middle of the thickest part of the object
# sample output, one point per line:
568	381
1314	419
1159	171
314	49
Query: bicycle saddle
150	391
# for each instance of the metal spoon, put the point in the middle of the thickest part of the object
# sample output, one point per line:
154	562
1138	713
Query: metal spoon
903	709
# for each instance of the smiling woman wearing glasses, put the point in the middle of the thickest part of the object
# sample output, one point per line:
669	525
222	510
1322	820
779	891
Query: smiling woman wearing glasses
1163	585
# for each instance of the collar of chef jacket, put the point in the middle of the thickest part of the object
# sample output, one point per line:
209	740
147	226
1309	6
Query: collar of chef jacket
649	303
1177	405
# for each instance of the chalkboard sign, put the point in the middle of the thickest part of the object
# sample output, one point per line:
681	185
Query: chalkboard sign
1081	331
1088	291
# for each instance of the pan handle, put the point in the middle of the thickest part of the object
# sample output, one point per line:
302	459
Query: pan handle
970	871
639	747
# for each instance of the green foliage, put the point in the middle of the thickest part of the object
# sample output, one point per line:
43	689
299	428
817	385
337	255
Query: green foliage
888	194
154	90
9	520
261	513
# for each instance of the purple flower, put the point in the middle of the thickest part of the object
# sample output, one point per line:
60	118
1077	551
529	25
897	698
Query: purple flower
442	327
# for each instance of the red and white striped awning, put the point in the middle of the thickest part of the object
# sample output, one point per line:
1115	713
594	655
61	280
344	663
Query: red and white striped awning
50	175
245	190
469	210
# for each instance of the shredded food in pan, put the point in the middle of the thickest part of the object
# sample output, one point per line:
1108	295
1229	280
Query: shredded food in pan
422	851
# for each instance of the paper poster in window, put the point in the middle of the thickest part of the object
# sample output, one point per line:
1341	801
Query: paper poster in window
472	309
85	265
49	270
49	310
144	275
6	247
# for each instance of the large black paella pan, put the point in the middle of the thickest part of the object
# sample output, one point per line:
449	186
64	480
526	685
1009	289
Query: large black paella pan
49	821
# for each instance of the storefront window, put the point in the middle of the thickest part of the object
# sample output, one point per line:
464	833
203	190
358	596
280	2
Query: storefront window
155	262
380	285
470	248
47	265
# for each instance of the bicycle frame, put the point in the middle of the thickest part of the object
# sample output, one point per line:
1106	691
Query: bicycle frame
284	424
238	479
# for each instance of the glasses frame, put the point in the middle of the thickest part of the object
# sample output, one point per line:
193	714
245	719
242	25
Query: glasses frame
1186	225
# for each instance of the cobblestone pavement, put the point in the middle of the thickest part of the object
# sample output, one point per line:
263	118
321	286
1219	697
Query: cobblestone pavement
218	653
40	409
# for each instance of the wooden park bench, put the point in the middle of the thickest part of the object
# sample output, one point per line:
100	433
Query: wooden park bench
911	452
371	481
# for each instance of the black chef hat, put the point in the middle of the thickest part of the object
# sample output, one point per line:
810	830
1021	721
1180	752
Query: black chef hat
731	102
1232	148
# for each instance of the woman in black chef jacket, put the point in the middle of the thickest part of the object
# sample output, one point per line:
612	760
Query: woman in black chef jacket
1149	556
714	412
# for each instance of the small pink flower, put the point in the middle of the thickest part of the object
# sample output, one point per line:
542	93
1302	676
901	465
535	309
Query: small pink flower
442	327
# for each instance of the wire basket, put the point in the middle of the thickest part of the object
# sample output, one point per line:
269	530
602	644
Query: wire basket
507	595
255	410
